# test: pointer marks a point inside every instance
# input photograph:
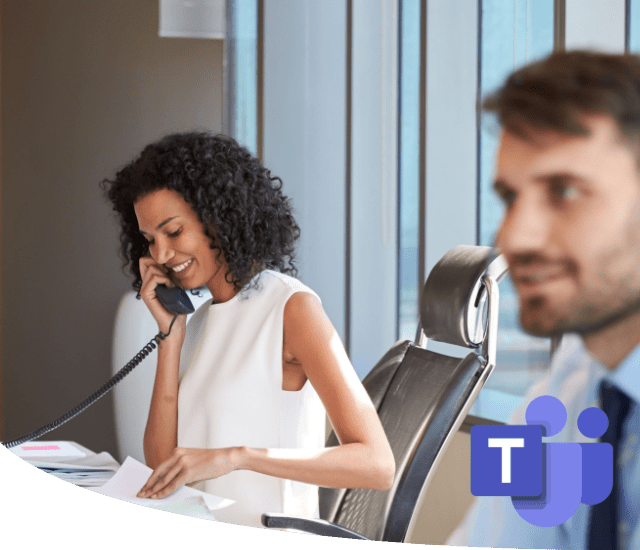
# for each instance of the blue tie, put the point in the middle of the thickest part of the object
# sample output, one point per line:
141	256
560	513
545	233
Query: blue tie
603	523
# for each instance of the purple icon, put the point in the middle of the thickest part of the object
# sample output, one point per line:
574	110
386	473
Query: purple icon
506	461
562	472
546	481
597	458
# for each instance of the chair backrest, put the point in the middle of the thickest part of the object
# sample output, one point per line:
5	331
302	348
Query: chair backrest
422	397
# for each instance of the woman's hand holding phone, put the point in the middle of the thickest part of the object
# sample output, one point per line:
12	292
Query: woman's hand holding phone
153	275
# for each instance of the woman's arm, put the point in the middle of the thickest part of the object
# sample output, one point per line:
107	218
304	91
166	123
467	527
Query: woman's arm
364	457
161	432
160	436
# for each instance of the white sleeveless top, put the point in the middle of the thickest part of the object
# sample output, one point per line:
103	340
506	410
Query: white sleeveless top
231	395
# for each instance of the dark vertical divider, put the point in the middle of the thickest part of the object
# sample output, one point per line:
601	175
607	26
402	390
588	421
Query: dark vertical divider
559	25
627	25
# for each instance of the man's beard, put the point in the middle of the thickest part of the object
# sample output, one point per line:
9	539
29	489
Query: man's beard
587	320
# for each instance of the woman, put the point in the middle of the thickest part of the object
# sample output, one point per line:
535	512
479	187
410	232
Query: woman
236	399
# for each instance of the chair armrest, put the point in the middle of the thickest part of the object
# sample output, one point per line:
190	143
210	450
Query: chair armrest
313	526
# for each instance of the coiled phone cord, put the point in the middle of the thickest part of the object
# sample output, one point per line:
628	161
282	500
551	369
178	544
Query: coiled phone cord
144	352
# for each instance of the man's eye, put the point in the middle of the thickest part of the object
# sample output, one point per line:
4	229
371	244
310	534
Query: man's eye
507	197
564	192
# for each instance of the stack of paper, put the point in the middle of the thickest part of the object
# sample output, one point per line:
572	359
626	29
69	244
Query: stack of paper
80	477
132	475
69	461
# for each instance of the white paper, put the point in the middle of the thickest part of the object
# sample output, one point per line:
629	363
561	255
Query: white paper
131	477
33	449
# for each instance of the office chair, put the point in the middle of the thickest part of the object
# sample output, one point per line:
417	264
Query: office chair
421	397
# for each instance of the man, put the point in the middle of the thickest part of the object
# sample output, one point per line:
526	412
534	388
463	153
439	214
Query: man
568	173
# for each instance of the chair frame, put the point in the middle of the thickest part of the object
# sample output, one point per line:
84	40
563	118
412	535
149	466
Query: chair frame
496	271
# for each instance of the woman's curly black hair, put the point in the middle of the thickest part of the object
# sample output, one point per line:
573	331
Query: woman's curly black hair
241	206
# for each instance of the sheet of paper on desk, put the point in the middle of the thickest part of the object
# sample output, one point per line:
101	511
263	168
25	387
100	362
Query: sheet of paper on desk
132	475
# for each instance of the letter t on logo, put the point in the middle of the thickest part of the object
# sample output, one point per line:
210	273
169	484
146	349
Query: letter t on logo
506	460
507	444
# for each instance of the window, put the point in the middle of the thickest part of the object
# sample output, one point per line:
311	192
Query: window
241	73
633	25
370	118
409	169
512	34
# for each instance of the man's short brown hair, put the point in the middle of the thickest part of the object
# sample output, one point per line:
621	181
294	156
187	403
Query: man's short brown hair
556	92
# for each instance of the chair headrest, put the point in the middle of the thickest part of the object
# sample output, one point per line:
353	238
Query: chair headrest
453	305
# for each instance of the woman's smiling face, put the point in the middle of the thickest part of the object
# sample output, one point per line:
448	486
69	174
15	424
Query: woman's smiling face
177	241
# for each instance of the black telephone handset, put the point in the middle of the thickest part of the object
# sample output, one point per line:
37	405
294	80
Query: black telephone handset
176	301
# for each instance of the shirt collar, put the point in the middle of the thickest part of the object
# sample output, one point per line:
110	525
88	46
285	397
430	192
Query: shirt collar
626	375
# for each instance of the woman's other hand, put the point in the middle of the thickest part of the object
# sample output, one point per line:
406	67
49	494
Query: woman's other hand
188	466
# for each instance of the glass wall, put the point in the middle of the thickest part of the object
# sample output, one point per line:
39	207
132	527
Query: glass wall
373	181
246	73
512	34
409	168
241	73
348	129
633	25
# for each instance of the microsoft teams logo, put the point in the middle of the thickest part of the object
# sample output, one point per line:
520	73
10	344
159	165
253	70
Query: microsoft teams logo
546	481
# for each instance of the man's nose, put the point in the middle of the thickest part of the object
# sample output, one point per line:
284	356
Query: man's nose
524	228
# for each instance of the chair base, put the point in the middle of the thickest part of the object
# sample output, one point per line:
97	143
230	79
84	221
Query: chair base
306	525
